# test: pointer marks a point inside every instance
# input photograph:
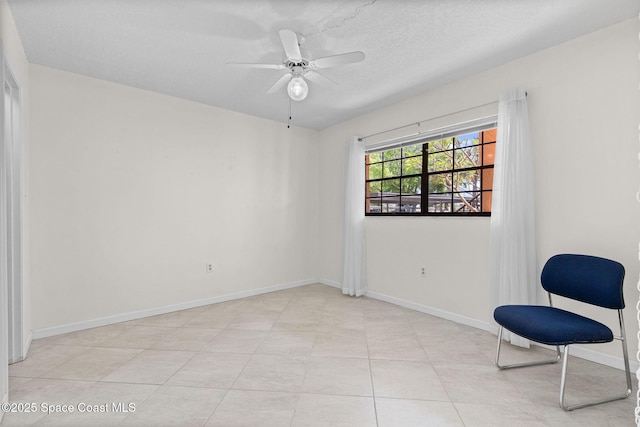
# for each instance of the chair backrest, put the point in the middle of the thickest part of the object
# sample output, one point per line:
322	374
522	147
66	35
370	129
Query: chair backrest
585	278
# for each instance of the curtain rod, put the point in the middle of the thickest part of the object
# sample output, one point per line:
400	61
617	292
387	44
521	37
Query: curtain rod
425	120
431	118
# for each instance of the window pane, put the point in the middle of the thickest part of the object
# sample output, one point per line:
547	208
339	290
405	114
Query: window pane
466	181
440	183
475	200
440	161
391	186
374	205
466	202
375	157
374	188
490	135
439	203
412	150
486	201
412	166
440	145
467	157
394	153
392	168
467	140
390	204
375	171
487	179
411	185
489	154
410	204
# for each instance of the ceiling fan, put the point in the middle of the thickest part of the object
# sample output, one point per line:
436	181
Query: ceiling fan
301	69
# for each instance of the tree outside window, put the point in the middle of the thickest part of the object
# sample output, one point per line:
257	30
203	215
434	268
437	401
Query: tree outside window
449	176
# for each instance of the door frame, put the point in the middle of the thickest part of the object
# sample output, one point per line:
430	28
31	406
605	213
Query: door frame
12	333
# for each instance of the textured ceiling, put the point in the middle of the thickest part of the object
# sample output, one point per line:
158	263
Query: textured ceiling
181	47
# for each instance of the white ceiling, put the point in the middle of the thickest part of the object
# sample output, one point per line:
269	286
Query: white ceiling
181	47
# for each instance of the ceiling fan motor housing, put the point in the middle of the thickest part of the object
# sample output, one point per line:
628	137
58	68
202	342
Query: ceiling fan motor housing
297	67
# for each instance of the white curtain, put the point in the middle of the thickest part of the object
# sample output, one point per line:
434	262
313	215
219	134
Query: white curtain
354	279
513	248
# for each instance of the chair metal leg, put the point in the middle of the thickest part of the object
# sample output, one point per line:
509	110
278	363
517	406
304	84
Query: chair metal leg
522	365
625	353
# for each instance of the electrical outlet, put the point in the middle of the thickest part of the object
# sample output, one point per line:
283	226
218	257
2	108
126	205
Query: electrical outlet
209	267
423	271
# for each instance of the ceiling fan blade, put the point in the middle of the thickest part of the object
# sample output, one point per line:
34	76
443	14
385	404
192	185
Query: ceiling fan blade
248	65
290	44
284	79
333	60
316	77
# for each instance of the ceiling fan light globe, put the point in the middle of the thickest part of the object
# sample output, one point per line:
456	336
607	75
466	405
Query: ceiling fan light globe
298	89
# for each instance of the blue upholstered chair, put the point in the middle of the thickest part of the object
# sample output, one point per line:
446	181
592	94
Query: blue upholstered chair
584	278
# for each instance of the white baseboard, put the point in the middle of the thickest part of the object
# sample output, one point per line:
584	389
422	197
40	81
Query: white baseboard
25	349
125	317
458	318
331	283
27	343
582	352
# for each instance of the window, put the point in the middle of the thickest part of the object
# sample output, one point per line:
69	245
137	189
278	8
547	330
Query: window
452	175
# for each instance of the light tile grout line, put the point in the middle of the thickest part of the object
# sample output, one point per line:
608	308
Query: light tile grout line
373	389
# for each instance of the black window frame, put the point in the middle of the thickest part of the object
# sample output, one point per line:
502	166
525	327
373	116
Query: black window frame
425	196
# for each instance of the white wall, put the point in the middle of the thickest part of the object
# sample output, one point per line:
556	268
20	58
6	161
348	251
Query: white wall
584	110
134	192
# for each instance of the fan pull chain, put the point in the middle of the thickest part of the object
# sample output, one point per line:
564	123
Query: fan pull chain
289	122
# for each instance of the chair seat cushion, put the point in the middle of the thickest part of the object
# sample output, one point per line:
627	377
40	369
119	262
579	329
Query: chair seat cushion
550	325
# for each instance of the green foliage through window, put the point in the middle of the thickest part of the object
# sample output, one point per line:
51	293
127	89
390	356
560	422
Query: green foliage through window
450	176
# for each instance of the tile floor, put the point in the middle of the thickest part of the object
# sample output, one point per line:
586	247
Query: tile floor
307	356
